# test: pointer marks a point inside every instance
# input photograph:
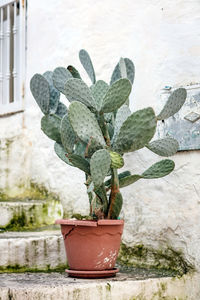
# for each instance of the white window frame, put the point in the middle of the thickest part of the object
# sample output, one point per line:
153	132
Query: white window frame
18	31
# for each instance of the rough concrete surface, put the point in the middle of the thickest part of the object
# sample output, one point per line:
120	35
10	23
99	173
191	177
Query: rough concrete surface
43	250
53	286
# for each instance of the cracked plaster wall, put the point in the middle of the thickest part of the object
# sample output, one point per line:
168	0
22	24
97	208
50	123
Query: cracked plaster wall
163	40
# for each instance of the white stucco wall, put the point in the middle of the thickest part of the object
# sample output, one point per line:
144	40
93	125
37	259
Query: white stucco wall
163	40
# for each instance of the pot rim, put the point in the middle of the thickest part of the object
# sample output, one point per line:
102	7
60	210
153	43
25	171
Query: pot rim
91	223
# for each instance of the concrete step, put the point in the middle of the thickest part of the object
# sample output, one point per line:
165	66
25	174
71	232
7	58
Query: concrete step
29	214
122	287
32	251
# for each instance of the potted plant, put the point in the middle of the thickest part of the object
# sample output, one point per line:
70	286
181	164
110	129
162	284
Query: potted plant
92	134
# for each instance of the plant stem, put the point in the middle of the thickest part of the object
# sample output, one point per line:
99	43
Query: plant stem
114	191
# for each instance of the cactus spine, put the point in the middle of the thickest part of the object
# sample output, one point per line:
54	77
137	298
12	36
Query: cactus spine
98	128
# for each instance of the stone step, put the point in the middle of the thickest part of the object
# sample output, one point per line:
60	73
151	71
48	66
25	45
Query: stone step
122	287
32	251
29	214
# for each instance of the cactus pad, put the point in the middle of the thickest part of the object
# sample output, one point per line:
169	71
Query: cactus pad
91	147
77	90
68	137
41	92
159	169
87	64
79	162
136	131
120	176
164	147
110	130
61	110
60	77
61	153
84	123
74	72
173	104
116	96
99	166
122	67
117	160
128	180
99	90
54	93
122	114
79	148
50	125
119	73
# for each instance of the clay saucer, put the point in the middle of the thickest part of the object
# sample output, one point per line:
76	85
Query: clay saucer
92	274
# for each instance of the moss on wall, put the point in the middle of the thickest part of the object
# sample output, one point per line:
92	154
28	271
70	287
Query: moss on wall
35	217
21	269
30	190
167	259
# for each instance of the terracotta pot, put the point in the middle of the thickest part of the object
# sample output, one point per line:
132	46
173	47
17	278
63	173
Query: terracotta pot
91	245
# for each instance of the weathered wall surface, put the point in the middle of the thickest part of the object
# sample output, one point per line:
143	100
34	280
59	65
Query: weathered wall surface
163	40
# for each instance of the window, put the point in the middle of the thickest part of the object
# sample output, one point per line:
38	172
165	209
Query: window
12	55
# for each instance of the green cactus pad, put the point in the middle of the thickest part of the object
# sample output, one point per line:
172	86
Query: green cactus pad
99	166
74	72
60	77
110	130
84	123
122	67
173	104
61	110
77	90
41	92
117	206
118	72
136	131
54	93
68	137
79	162
120	176
128	180
117	160
92	147
50	125
122	114
79	148
164	147
159	169
87	64
116	75
116	96
61	153
99	90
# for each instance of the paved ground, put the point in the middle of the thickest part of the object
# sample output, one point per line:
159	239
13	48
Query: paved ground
125	286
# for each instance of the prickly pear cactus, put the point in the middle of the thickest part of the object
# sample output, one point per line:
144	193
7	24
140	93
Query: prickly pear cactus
96	127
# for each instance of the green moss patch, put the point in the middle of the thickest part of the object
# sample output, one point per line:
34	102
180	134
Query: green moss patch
28	191
38	215
22	269
168	260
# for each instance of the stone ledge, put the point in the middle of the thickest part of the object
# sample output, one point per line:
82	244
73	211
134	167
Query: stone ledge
43	286
32	213
42	250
